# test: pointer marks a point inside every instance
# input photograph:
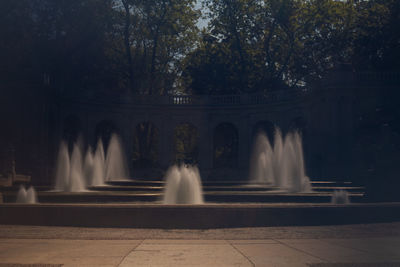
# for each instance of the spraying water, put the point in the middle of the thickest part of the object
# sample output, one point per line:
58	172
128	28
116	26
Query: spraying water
183	185
116	166
26	196
75	173
31	196
340	197
76	182
98	167
21	195
281	165
63	168
88	166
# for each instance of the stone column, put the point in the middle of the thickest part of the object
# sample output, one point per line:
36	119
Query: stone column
245	143
205	149
126	132
165	145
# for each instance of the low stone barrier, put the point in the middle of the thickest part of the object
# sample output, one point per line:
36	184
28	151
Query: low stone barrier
196	216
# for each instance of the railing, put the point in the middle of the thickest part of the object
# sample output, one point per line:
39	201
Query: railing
196	100
372	76
245	99
225	100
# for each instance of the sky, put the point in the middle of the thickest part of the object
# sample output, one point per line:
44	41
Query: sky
201	23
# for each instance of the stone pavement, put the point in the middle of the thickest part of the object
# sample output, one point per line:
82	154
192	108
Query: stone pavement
319	246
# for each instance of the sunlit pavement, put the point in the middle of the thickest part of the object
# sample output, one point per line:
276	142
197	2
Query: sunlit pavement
324	246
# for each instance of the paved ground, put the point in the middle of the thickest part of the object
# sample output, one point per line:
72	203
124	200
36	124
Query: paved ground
328	246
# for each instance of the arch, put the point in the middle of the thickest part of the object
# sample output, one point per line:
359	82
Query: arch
72	128
298	124
186	143
104	129
266	127
145	145
226	146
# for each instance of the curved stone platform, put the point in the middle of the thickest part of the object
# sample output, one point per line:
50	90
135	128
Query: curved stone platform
196	216
151	192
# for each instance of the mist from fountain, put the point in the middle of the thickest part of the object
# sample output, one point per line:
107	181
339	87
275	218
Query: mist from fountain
281	165
88	163
63	168
116	165
21	195
340	197
76	181
183	185
74	173
26	196
98	167
31	196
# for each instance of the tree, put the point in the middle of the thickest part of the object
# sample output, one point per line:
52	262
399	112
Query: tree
261	45
376	35
45	37
157	34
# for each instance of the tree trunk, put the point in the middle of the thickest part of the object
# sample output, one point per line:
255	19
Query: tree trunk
128	45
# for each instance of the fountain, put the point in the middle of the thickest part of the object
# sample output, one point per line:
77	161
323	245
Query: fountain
26	196
183	185
69	174
63	168
340	197
76	181
277	173
21	195
88	163
281	165
116	166
75	173
98	166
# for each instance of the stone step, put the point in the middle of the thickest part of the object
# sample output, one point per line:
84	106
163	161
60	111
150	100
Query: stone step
221	188
207	216
221	183
156	197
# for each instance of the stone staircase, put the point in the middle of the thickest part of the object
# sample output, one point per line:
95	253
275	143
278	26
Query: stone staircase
140	191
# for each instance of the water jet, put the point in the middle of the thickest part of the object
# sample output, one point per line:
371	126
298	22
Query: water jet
280	165
183	185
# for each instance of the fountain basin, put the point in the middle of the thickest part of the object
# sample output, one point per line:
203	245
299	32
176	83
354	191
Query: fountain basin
197	216
129	191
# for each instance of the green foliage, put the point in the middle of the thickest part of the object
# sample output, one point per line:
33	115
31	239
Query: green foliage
376	35
186	144
64	39
145	145
226	146
255	45
156	35
102	45
155	47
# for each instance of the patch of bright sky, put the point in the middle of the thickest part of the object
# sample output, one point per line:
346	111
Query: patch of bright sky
202	23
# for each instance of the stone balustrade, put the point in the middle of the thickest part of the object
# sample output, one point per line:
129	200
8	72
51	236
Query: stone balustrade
272	97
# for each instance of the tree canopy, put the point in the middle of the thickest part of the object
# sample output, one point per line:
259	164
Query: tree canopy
155	46
257	45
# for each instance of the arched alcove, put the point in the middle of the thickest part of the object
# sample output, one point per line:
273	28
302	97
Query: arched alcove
225	151
72	128
266	127
312	162
104	129
145	145
186	143
298	124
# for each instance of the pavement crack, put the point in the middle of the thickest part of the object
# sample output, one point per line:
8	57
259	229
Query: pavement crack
130	251
241	253
301	251
351	247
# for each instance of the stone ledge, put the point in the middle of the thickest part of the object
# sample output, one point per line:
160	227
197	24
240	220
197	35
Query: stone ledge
198	216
